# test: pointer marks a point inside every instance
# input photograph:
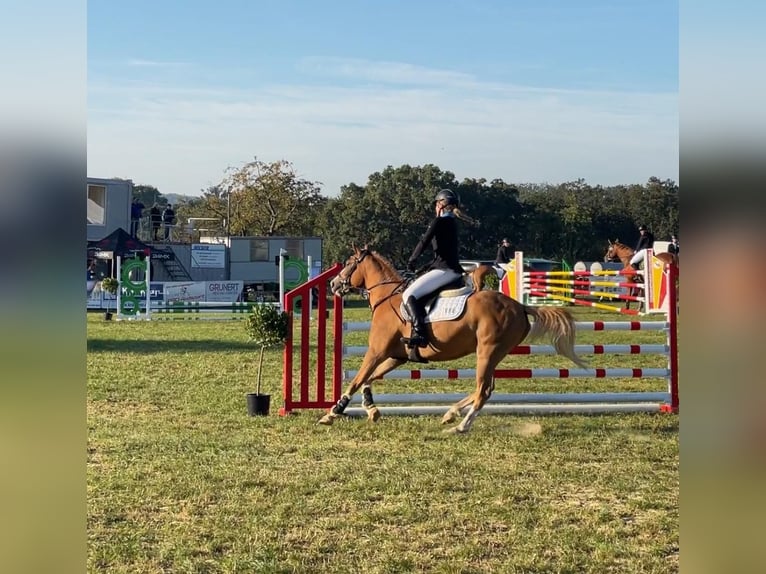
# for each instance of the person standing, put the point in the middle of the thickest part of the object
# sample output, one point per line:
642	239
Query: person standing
168	219
674	248
442	236
645	241
155	216
136	213
504	252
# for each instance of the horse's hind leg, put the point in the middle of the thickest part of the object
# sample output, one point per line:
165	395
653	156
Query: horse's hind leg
485	368
456	409
459	407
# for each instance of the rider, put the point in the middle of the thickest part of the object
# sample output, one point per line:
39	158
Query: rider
445	268
504	254
645	241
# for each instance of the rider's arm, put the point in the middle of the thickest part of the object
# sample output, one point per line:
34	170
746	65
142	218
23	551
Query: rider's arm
424	240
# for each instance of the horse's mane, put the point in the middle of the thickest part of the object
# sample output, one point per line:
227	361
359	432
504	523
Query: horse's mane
621	245
389	271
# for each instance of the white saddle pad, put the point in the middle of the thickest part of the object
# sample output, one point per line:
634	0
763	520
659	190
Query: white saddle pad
447	306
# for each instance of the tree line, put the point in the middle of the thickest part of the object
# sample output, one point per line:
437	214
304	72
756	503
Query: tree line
569	221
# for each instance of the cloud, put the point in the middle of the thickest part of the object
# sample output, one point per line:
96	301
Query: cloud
140	63
382	72
182	139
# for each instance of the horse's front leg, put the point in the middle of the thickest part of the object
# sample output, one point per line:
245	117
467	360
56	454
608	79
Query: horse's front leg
373	414
371	368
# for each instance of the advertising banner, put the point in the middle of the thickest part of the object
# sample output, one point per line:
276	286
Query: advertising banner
208	255
170	291
193	291
223	291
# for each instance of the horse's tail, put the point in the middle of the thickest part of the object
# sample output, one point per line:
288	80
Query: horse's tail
558	324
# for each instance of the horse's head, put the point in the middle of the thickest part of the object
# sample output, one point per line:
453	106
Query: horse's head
352	275
611	252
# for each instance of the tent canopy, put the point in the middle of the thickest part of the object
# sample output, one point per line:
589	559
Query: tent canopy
121	243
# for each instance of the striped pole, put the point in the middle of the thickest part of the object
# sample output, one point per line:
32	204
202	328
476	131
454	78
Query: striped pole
559	290
586	303
649	349
450	374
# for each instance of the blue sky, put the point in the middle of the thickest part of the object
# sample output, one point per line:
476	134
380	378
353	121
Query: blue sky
527	91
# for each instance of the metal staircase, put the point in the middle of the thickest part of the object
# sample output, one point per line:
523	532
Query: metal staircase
175	270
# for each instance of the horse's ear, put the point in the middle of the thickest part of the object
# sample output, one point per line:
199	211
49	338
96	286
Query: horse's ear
616	240
610	241
365	248
353	247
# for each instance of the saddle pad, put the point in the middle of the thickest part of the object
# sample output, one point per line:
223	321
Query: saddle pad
442	308
464	290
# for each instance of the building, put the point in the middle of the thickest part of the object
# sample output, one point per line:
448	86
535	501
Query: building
252	260
108	206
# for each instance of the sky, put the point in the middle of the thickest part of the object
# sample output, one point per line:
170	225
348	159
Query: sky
541	91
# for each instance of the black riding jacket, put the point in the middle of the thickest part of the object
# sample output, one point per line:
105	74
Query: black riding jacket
504	254
442	234
646	241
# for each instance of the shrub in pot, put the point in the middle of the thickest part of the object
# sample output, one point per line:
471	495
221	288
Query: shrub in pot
110	285
267	326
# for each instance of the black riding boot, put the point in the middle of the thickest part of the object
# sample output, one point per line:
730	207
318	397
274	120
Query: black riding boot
418	337
635	266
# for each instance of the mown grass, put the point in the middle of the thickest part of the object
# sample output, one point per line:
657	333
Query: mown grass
180	479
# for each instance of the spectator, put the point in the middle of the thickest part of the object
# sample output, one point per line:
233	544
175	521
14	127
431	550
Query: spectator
155	216
504	252
673	247
168	219
645	241
136	213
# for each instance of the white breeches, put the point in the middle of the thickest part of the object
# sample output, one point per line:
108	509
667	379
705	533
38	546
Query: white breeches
638	257
429	282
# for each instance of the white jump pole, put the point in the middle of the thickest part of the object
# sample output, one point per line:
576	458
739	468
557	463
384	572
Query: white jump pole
119	287
282	253
148	311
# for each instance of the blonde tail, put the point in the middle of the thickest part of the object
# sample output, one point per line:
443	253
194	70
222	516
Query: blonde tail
557	323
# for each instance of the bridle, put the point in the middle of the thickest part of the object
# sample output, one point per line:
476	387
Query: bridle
345	279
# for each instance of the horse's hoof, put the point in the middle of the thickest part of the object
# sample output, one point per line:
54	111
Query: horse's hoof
454	430
328	419
373	415
448	418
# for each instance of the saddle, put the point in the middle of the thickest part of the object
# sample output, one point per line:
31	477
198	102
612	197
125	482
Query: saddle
444	304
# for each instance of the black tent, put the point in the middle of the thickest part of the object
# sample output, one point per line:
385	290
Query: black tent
121	243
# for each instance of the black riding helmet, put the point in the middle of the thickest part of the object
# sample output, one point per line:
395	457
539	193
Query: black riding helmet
449	196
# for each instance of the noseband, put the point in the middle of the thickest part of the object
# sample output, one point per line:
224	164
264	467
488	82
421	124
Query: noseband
345	282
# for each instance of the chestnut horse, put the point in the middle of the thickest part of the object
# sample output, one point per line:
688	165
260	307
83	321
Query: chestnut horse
490	326
620	252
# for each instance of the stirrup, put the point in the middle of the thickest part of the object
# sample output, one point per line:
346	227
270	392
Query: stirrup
415	341
413	354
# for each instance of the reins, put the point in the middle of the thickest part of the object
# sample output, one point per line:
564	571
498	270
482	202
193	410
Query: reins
394	291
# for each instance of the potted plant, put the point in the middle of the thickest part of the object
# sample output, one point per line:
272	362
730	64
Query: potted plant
267	326
110	285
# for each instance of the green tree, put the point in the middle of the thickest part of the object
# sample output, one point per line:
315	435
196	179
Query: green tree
148	195
260	199
269	199
394	208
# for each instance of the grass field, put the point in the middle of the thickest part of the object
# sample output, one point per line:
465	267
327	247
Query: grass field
180	479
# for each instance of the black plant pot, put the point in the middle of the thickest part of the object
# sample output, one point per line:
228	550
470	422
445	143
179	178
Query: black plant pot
107	316
258	405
